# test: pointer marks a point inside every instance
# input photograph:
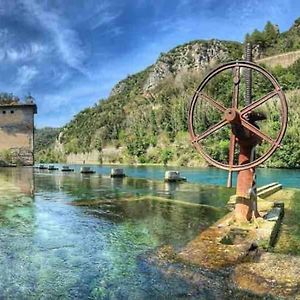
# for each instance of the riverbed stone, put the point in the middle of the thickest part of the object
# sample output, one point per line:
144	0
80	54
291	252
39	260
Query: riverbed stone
272	273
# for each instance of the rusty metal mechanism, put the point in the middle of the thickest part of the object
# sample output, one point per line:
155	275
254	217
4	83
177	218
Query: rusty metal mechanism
244	130
239	119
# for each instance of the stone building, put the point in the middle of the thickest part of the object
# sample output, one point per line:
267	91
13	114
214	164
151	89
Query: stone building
16	131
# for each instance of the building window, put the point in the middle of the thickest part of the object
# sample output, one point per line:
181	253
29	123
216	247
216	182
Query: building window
11	111
4	112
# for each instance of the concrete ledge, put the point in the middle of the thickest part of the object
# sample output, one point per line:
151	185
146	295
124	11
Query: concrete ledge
227	243
268	190
264	187
275	215
262	192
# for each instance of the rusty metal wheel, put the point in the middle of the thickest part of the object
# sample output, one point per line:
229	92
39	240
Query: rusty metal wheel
232	113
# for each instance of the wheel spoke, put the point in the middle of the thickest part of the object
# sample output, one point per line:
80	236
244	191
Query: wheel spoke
256	131
213	102
209	131
236	88
257	103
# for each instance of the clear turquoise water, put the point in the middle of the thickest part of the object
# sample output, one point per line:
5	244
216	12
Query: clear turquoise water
73	236
287	177
53	248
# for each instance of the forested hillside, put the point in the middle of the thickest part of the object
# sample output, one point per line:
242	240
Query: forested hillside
145	117
44	143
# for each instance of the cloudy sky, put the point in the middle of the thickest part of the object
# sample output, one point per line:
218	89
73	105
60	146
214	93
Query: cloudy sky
69	54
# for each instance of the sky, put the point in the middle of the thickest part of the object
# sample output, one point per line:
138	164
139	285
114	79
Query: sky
69	54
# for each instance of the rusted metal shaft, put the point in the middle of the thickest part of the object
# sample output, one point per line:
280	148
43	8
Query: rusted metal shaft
245	206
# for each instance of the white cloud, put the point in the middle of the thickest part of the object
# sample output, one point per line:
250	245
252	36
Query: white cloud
98	13
25	75
12	51
103	18
24	52
66	39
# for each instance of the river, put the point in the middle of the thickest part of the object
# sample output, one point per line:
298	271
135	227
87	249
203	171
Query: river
287	177
73	236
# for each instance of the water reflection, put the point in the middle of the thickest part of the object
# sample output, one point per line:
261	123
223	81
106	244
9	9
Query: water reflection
117	183
80	236
21	179
96	186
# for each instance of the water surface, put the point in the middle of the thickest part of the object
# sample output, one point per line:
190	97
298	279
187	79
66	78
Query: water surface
287	177
73	236
87	237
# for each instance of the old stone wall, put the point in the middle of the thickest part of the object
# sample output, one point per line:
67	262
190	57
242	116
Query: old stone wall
16	133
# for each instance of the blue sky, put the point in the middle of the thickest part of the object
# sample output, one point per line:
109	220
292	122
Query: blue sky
69	54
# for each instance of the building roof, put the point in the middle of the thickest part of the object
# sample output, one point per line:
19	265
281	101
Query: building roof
14	105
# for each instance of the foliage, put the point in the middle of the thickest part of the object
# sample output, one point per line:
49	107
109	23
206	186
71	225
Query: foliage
6	156
271	41
166	155
288	156
44	142
11	99
50	156
266	38
45	138
8	98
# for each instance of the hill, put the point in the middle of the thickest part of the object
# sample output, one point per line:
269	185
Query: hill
44	143
146	112
144	118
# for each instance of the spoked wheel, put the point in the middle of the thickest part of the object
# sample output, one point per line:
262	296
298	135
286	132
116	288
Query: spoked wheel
234	115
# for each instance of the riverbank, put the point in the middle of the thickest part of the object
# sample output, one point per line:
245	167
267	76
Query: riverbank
277	272
118	156
113	155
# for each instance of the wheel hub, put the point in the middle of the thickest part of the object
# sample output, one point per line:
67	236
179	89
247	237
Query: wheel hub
231	115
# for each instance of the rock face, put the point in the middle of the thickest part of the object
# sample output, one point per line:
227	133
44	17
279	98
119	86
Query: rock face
194	56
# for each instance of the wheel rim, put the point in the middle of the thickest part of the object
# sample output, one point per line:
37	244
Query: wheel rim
277	91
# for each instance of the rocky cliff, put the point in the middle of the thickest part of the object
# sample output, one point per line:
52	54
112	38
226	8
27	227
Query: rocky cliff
193	56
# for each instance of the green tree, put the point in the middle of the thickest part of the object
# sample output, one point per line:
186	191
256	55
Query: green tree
270	34
8	98
166	155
